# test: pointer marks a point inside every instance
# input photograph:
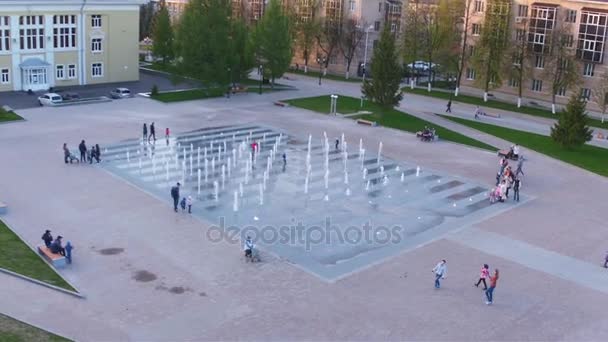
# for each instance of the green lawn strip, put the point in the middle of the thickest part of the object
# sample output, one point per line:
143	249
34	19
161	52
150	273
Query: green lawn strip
188	95
12	330
389	118
496	104
588	157
315	74
6	116
19	258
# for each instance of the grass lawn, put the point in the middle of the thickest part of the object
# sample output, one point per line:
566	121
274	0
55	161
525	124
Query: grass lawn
315	74
8	116
496	104
12	330
19	258
588	157
389	118
188	95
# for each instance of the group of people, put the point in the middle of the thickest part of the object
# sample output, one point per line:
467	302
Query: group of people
427	134
186	202
507	179
440	271
56	245
86	154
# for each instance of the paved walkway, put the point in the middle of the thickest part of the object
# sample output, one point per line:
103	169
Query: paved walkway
164	280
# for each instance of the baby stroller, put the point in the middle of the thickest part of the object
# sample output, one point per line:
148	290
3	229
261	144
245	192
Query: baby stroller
72	158
495	195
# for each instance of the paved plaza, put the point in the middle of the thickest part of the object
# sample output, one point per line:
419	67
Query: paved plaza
150	274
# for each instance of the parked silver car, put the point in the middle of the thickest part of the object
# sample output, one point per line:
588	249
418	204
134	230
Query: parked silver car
120	93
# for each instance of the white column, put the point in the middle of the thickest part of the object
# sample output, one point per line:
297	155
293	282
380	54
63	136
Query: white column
16	56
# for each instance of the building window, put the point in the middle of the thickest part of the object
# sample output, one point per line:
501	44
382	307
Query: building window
585	93
593	19
376	26
539	62
380	6
522	11
589	45
569	40
97	70
539	38
479	6
5	34
60	72
537	85
588	69
471	50
64	31
561	91
96	21
571	16
96	45
470	74
520	35
31	32
72	71
352	5
4	76
393	27
513	82
476	29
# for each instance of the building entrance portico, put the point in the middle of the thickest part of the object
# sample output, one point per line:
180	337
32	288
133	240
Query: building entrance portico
34	74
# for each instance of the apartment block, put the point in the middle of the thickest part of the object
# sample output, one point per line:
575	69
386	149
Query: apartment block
52	43
583	27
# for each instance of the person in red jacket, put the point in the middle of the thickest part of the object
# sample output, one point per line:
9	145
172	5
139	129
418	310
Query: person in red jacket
490	290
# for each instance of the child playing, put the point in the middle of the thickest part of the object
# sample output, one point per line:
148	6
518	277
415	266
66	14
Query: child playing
189	203
485	272
183	204
167	132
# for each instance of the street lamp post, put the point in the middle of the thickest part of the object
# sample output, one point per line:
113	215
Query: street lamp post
230	84
371	27
261	77
321	60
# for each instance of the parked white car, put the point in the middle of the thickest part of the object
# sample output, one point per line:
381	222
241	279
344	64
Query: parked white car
120	93
49	99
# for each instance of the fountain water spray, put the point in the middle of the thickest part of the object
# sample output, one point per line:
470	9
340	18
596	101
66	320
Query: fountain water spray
402	177
241	189
191	165
213	165
347	191
364	173
417	171
346	178
229	166
198	158
306	184
235	204
167	170
367	185
223	176
128	158
385	180
360	145
206	170
326	178
261	194
216	191
139	164
198	174
379	152
362	158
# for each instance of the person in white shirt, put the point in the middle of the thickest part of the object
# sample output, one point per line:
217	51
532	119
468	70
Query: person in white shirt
440	271
248	247
516	151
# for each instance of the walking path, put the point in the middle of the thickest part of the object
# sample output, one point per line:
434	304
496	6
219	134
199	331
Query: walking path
149	274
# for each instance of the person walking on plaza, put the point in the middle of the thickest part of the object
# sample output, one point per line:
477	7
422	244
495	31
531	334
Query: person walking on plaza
606	260
145	132
440	270
68	252
337	144
516	187
152	132
47	238
66	153
485	272
83	151
189	203
183	204
520	164
490	290
477	112
175	196
448	108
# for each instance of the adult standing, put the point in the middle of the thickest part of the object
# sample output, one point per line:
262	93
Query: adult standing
449	107
490	290
97	153
516	187
440	270
47	238
520	165
175	195
66	153
145	132
152	132
83	151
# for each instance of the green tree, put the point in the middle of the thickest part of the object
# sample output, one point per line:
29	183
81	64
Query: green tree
489	58
162	35
571	129
273	41
242	59
307	28
462	9
437	27
204	29
412	49
384	87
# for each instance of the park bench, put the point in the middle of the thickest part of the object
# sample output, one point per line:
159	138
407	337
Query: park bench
239	89
3	208
56	260
366	122
281	104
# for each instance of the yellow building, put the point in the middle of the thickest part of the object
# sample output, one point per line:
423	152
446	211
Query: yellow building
52	43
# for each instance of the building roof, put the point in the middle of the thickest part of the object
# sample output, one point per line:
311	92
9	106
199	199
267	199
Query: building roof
33	63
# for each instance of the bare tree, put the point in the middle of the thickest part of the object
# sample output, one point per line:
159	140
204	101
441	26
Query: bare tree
560	63
328	41
464	7
600	93
351	37
412	49
307	27
521	54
